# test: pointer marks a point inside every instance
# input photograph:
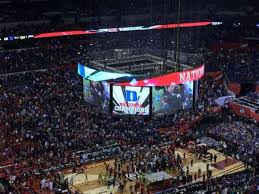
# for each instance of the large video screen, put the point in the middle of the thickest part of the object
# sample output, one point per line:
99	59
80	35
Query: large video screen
128	100
172	98
97	94
86	90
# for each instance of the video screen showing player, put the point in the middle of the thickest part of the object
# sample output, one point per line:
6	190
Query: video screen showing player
128	100
86	90
100	95
97	94
172	98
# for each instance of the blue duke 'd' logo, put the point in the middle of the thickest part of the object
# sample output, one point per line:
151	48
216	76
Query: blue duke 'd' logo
131	96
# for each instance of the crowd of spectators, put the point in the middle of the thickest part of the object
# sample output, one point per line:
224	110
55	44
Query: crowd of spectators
254	96
240	66
242	139
241	182
36	58
45	55
244	182
210	90
22	60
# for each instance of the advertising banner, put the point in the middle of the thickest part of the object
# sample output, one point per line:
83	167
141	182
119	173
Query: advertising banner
169	79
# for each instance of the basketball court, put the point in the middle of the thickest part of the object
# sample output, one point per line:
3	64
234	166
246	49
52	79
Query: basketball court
94	185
